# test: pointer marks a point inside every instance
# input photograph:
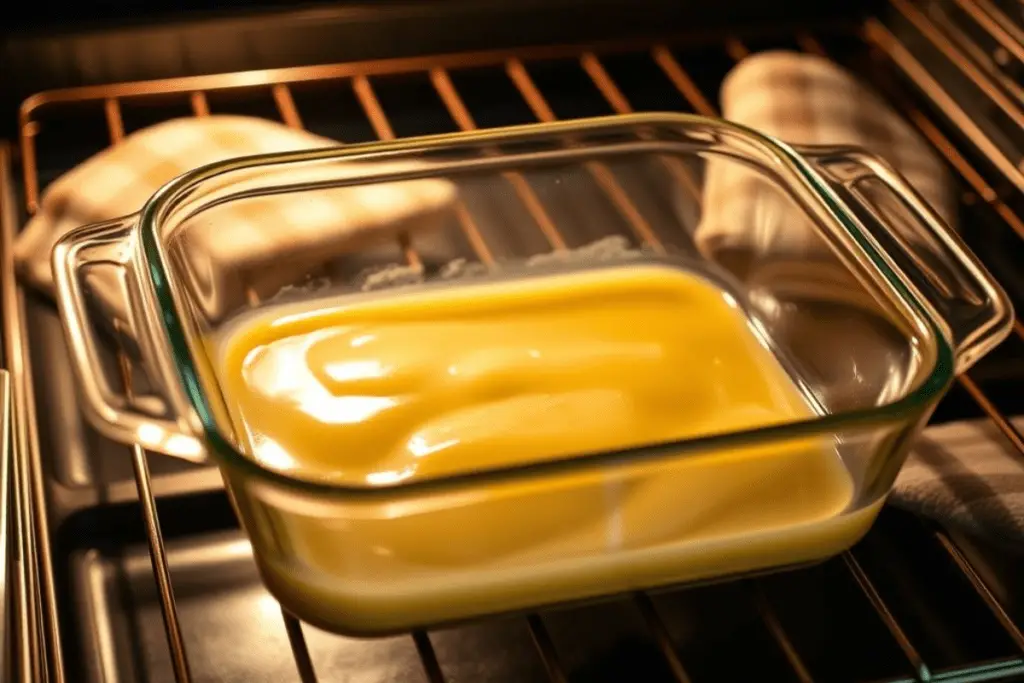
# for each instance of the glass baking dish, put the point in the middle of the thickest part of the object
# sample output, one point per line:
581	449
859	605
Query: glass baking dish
866	300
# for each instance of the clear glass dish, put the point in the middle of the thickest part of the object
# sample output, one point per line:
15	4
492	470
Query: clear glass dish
865	298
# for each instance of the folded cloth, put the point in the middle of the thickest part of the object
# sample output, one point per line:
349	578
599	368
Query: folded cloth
968	476
230	245
803	100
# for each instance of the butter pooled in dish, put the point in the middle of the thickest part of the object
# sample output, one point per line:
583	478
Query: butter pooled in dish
232	245
389	389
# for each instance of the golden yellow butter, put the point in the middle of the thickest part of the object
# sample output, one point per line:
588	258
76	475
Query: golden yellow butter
384	389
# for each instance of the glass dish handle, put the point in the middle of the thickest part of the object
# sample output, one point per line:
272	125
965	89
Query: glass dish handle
928	255
100	294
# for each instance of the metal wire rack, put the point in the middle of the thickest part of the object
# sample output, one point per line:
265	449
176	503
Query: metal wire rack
39	645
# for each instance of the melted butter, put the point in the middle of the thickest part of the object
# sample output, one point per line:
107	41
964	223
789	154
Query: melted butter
382	390
498	374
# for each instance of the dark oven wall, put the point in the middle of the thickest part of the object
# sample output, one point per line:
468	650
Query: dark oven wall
50	45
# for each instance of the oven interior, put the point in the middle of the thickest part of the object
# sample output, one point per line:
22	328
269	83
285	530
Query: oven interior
913	601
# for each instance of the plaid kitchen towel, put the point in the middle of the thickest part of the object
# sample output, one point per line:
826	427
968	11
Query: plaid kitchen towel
966	475
803	100
232	244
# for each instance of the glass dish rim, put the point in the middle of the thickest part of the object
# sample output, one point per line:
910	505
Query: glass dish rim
153	257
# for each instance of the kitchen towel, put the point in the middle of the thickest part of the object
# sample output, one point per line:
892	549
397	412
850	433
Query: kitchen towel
231	244
803	100
966	475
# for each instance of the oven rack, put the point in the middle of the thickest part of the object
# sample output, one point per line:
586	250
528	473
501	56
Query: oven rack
38	643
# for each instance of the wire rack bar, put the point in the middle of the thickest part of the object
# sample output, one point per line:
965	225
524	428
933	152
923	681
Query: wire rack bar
1011	433
657	627
996	24
982	589
464	120
290	115
882	610
6	423
26	616
28	610
282	95
546	648
771	620
38	555
736	49
161	572
809	44
382	127
143	481
599	171
936	37
989	59
948	150
371	105
22	628
431	667
300	650
112	110
878	34
35	655
200	107
621	105
664	58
